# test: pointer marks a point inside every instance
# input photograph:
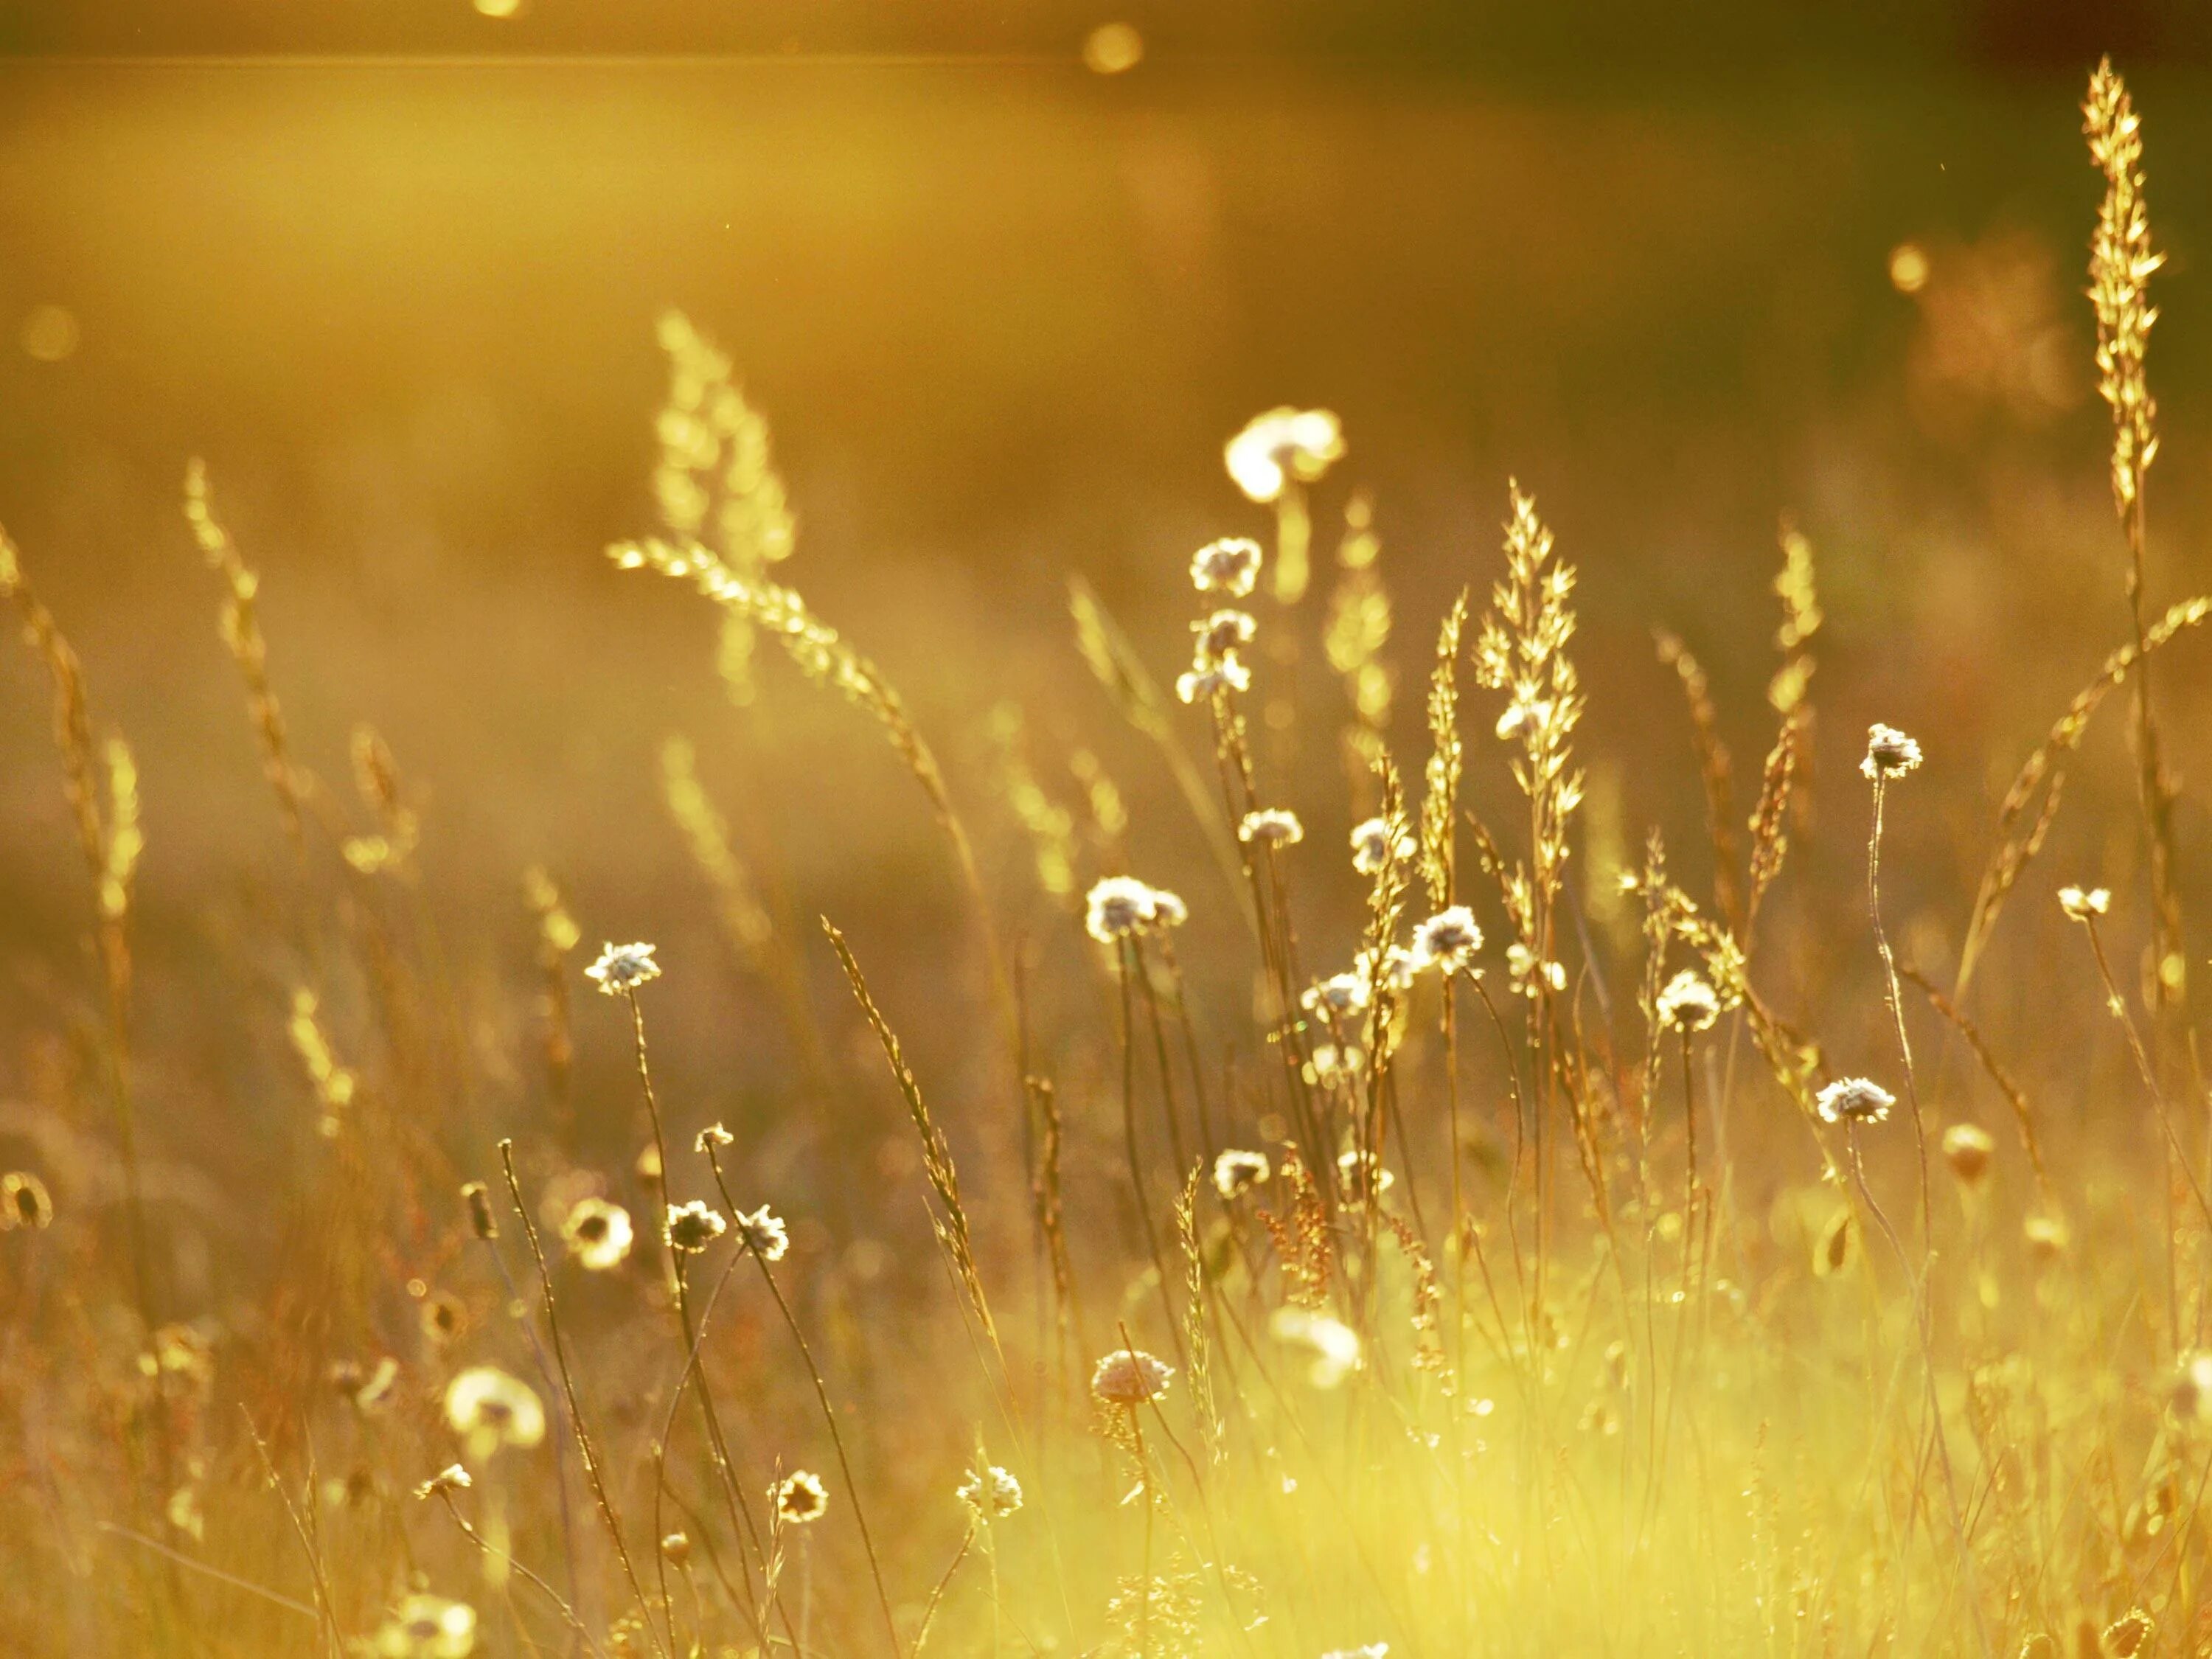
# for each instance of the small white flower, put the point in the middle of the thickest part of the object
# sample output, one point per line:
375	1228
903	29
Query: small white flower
1447	939
2081	905
1229	567
622	969
490	1409
762	1233
1273	826
991	1494
1890	753
1855	1100
1336	997
1688	1004
692	1227
452	1477
800	1498
712	1135
1223	634
597	1234
1204	679
1168	908
1373	846
1281	445
1235	1173
1130	1376
1117	907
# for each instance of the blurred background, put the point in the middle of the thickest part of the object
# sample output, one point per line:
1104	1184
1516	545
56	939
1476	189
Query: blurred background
1003	280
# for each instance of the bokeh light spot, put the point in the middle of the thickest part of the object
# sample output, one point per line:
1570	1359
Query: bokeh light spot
1908	268
50	333
1113	48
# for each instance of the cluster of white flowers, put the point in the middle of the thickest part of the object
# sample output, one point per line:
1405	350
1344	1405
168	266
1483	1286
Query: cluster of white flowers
1118	906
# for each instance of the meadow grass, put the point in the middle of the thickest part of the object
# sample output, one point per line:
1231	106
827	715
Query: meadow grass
1431	1246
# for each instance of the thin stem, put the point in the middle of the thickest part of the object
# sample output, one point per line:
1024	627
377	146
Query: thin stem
828	1410
576	1424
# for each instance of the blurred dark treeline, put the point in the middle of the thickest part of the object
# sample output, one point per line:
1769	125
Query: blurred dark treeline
1476	37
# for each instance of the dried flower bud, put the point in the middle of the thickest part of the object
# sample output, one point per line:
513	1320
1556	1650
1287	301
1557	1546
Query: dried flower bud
481	1222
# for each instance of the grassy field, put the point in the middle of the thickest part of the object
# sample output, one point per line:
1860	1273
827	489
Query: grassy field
1547	1010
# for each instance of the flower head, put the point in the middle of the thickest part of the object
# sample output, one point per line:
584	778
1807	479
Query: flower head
23	1201
1229	567
1688	1004
1281	445
1337	997
452	1477
1206	679
712	1135
1168	908
622	969
2082	905
762	1233
1222	633
490	1409
692	1227
427	1627
1237	1172
1966	1149
1890	753
990	1494
1272	826
1117	907
597	1234
1447	939
800	1498
1131	1377
1855	1100
1373	846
